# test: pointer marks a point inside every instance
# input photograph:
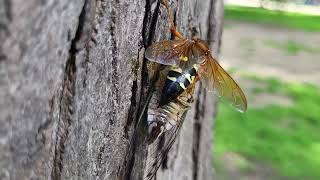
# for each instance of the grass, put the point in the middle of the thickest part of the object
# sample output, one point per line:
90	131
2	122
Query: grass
287	137
277	18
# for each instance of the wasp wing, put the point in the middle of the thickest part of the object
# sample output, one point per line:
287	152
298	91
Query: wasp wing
182	53
216	79
158	151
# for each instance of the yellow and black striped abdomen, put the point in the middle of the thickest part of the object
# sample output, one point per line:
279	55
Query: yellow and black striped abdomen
177	81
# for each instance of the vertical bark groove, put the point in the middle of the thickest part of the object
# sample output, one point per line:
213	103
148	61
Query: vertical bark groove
197	127
148	30
215	22
149	23
211	21
66	101
196	137
66	111
8	11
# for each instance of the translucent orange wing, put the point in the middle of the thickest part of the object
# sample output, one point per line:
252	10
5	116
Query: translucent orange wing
182	53
216	79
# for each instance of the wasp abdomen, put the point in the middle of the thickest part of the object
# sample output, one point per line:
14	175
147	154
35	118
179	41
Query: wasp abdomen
176	82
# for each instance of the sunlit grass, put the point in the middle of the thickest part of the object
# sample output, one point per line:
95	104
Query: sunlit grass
277	18
287	137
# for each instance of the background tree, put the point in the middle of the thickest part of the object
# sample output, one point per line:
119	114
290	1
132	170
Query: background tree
72	85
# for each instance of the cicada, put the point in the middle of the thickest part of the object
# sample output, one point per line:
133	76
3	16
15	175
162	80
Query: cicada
189	61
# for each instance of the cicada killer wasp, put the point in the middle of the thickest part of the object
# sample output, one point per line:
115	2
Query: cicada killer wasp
190	60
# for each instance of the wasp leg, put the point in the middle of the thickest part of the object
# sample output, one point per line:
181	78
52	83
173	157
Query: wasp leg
173	29
186	101
190	92
155	130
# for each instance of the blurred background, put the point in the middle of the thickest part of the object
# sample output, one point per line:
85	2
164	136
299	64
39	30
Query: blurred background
272	49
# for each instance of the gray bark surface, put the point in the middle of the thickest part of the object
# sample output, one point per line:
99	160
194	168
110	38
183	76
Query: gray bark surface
72	83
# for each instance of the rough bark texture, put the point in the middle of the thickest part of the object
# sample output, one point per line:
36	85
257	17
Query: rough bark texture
72	82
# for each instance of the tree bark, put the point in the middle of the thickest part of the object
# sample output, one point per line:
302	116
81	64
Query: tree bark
72	81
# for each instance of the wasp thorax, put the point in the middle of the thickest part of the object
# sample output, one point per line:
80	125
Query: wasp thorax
177	82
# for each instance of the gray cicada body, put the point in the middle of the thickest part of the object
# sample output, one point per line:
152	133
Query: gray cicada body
165	121
170	100
164	118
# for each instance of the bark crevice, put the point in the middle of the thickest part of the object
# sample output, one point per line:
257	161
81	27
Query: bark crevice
133	105
66	101
8	11
197	126
65	115
149	23
148	31
211	21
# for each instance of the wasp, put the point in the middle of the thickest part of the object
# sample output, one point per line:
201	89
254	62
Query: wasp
188	61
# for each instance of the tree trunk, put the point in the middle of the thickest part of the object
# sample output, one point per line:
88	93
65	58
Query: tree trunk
72	81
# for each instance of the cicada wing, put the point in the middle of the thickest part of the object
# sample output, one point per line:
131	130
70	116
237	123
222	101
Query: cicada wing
158	151
182	53
216	79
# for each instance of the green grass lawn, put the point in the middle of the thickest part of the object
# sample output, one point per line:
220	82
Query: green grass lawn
287	137
277	18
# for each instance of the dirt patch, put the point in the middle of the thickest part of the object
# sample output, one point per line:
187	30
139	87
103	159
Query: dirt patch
267	52
237	167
